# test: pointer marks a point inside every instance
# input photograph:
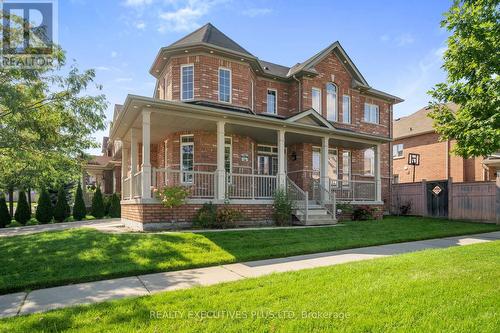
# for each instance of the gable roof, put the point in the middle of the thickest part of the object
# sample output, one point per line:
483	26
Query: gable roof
208	34
310	117
417	123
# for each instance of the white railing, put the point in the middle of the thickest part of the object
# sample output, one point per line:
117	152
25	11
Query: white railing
354	190
126	188
200	183
137	185
299	197
248	186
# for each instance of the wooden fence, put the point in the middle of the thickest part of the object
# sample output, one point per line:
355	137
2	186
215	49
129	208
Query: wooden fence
475	201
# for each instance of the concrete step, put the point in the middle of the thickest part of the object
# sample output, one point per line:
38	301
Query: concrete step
312	212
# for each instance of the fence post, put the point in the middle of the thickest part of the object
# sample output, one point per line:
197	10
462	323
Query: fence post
307	207
424	198
497	203
450	198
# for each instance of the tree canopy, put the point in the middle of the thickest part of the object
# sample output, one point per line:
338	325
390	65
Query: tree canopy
472	64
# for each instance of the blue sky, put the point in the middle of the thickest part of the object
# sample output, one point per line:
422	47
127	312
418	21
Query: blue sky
397	44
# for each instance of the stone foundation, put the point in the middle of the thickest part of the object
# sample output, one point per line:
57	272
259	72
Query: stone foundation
156	217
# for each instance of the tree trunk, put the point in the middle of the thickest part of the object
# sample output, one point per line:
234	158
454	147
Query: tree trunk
11	201
29	198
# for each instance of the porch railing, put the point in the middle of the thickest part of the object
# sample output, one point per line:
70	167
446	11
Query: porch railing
126	188
137	185
299	197
200	183
248	186
353	190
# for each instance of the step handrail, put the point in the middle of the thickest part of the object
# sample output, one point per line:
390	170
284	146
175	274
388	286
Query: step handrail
328	200
298	195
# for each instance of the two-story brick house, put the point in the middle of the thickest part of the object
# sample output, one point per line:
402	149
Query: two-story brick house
234	128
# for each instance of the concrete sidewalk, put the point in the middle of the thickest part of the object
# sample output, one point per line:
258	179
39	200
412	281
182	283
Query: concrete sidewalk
103	225
93	292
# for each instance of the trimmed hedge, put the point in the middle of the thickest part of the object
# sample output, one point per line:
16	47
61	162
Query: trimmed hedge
44	210
98	204
62	209
5	217
115	209
23	210
79	209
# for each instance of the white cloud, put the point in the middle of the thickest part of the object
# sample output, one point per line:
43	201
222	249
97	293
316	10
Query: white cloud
114	54
186	16
140	25
103	68
405	39
385	38
123	79
253	12
137	3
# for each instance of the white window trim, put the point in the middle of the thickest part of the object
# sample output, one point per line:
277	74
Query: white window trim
343	110
253	97
397	157
275	102
182	144
377	121
335	103
182	82
320	99
230	84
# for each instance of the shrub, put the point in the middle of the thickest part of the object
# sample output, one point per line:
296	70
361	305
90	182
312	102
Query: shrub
227	217
206	216
14	224
79	208
23	210
89	218
283	207
62	209
44	212
33	221
172	196
97	204
115	209
362	213
5	217
405	208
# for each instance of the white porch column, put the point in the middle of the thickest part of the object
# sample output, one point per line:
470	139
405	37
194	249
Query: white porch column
324	180
220	174
281	159
133	161
378	179
124	167
146	155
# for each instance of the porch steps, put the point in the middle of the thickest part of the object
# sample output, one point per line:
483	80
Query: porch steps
317	215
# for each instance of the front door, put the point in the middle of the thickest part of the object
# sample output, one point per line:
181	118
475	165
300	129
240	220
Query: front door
437	198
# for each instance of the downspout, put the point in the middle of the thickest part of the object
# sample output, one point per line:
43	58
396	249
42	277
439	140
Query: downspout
299	108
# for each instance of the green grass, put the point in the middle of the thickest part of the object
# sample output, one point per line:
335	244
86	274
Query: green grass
446	290
78	255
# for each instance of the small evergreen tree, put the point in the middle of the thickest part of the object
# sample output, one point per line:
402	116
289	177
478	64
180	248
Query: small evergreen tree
79	209
62	209
44	211
107	205
5	217
23	211
98	204
115	208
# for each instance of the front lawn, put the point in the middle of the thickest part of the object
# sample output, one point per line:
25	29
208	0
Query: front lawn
446	290
78	255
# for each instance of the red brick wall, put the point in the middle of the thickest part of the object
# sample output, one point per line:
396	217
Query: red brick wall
151	213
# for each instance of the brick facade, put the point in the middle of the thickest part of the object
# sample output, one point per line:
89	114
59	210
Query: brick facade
435	161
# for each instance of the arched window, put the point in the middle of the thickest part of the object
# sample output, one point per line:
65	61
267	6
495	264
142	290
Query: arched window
331	101
369	162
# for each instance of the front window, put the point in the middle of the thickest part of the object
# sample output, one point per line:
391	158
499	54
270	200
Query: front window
371	113
397	151
346	167
331	102
187	158
271	101
332	163
369	162
224	85
187	82
316	99
267	160
346	109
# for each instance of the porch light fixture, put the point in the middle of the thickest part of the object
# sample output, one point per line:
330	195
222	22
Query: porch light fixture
148	106
294	156
186	51
211	51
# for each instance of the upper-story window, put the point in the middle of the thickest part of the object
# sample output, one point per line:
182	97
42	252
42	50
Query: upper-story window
316	99
397	150
225	85
331	102
371	113
346	109
187	82
272	102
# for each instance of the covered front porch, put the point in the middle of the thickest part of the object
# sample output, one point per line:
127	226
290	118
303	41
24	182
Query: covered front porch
226	157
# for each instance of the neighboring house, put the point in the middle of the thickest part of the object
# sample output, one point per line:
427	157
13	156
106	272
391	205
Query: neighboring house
234	128
415	134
